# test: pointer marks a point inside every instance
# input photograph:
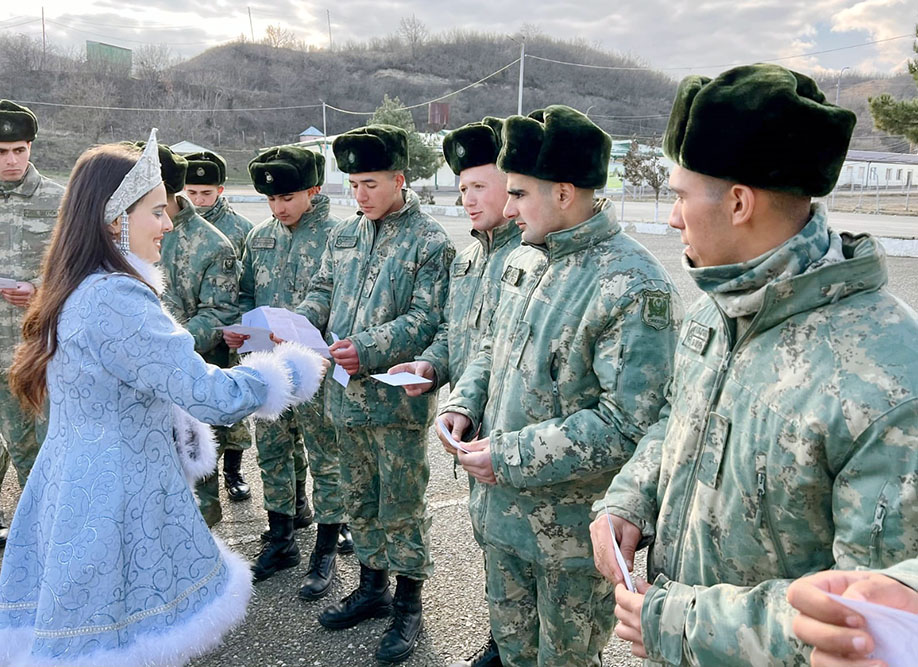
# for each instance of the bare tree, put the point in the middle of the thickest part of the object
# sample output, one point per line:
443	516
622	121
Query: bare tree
414	32
642	165
278	37
20	53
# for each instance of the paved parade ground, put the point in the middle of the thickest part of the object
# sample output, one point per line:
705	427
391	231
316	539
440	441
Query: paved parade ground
282	630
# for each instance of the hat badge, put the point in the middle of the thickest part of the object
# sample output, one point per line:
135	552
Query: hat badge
7	126
460	150
268	177
352	157
200	171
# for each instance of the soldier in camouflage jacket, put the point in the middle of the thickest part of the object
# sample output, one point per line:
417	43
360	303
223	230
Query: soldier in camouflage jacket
28	210
566	383
789	443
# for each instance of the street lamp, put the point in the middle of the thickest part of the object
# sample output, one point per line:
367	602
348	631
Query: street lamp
838	83
587	114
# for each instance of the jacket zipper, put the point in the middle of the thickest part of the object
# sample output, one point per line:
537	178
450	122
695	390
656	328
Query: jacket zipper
762	515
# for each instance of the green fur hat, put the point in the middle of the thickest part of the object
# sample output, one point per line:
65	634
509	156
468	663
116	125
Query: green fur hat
320	169
17	123
284	169
557	144
205	168
172	166
372	148
473	145
760	125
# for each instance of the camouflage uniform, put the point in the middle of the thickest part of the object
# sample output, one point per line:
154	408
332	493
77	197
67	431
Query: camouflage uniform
28	211
276	268
566	383
233	225
201	290
383	285
789	447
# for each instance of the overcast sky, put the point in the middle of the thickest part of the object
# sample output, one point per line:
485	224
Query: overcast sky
703	36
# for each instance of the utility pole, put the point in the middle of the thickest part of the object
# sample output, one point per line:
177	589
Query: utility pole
44	44
838	83
251	27
519	103
324	139
330	47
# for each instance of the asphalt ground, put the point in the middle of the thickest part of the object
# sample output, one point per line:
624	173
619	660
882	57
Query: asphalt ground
282	630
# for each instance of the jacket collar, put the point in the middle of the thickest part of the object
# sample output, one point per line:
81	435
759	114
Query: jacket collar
600	227
26	186
412	205
500	236
186	210
217	211
321	206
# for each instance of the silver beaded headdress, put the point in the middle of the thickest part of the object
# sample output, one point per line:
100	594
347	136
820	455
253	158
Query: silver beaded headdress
143	177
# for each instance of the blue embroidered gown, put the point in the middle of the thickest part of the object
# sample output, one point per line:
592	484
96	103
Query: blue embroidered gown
109	561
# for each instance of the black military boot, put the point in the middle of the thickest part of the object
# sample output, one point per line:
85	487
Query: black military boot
398	641
486	656
304	514
345	541
371	599
321	563
280	552
236	487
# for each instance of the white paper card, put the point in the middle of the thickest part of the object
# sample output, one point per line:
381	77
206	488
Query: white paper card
894	632
400	379
259	339
286	325
8	283
619	558
339	375
449	437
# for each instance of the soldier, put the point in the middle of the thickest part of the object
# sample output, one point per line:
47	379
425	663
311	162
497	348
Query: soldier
201	286
381	288
789	444
28	211
281	255
204	181
471	152
568	379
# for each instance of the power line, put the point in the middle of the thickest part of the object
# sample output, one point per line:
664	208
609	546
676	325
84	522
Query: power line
102	108
123	39
436	99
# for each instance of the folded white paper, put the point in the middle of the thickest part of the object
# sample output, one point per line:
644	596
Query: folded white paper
450	439
894	632
284	324
8	283
400	379
259	339
339	375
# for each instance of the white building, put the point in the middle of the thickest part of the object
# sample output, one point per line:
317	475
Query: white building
869	169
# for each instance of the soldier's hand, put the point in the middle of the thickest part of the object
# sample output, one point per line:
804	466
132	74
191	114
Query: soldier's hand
838	634
628	536
628	611
21	295
234	340
457	424
275	339
478	463
422	368
345	355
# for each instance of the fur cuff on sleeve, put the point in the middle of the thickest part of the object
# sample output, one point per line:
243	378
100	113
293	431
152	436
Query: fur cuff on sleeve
195	444
276	374
307	368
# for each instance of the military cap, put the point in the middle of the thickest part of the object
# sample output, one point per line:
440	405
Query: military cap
284	169
172	166
320	169
205	168
473	145
17	123
557	144
760	125
372	148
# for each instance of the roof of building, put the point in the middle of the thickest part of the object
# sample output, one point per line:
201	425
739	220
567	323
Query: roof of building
883	157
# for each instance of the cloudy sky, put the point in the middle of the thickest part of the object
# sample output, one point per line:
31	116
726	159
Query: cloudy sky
677	36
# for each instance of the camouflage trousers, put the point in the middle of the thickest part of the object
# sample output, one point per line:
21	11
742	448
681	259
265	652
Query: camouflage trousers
384	475
282	456
546	616
237	437
22	434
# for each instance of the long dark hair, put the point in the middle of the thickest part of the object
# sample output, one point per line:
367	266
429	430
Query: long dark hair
80	245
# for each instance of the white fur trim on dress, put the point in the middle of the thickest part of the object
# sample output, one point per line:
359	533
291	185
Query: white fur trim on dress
308	365
153	275
195	444
176	646
276	375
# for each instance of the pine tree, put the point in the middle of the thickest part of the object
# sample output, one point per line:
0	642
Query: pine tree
423	159
898	116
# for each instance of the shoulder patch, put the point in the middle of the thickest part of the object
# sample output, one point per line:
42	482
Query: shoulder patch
39	213
461	268
346	242
656	311
229	264
263	243
513	275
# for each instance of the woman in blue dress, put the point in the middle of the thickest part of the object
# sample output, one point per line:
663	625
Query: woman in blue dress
108	560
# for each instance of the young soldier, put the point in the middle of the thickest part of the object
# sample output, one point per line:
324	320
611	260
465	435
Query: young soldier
204	181
28	209
381	287
201	285
471	152
281	255
567	381
789	444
